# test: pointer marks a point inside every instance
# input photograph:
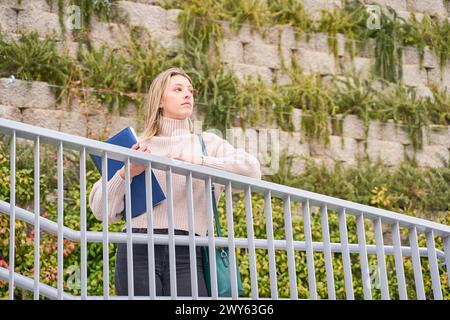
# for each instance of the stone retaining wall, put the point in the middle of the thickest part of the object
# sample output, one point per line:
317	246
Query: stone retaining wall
246	53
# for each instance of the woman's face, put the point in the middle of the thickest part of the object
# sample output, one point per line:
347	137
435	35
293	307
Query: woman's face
178	100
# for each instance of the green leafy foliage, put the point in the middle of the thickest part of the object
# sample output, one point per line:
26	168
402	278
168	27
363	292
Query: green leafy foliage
30	58
307	93
298	230
408	190
412	190
24	249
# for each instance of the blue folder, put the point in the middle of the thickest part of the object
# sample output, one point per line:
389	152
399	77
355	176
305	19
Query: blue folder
127	138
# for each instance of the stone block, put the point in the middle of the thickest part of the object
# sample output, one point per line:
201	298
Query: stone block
172	19
293	144
247	35
73	123
353	127
40	21
246	70
407	15
297	119
327	162
397	5
23	94
424	91
314	61
108	34
440	78
413	75
390	131
313	7
359	65
41	5
430	60
7	20
263	55
317	42
433	7
339	149
115	124
232	51
429	156
151	17
380	131
50	119
439	135
168	39
284	34
298	166
410	55
11	113
282	77
96	127
389	152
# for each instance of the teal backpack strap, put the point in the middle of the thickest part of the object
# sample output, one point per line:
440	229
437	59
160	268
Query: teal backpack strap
216	214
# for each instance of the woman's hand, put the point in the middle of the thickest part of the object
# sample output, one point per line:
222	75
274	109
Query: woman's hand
135	169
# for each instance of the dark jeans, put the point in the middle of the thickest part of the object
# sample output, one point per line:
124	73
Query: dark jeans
162	268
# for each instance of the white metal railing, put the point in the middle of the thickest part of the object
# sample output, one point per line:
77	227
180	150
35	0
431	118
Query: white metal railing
230	181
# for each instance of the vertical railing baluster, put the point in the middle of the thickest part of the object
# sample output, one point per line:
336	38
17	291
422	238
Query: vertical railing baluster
309	251
381	259
251	242
346	255
12	215
83	224
327	252
150	239
37	214
270	245
130	269
363	257
418	279
60	222
211	239
172	260
290	248
105	237
434	269
401	283
447	256
192	247
231	244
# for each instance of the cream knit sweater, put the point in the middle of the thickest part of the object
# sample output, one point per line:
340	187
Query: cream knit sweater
176	138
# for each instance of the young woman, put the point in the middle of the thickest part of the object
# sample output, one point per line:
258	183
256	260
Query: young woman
168	132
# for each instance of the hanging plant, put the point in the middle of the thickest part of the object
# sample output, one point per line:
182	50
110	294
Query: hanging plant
388	47
350	20
307	93
215	88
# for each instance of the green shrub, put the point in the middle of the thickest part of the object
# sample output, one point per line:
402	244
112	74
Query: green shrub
402	190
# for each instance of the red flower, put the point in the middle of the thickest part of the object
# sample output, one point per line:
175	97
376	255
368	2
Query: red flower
4	264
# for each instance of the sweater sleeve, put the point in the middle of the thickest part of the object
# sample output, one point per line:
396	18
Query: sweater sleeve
222	155
116	192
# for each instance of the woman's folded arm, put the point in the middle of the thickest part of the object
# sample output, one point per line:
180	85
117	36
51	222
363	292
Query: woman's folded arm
116	192
222	155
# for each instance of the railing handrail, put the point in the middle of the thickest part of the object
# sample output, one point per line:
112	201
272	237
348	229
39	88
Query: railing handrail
74	142
138	238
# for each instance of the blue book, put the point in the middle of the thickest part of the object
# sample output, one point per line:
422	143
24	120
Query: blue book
127	138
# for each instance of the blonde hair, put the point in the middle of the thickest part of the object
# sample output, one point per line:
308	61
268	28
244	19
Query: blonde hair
152	105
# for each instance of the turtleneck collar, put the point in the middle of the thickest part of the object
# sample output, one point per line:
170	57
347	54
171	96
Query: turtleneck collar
174	127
